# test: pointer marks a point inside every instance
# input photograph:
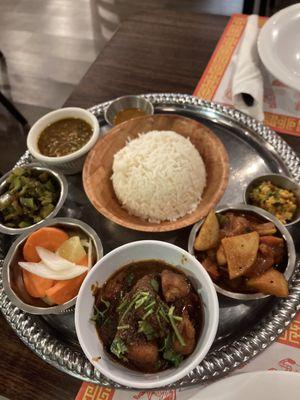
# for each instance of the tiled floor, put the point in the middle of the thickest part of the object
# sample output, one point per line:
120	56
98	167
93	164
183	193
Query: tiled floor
49	44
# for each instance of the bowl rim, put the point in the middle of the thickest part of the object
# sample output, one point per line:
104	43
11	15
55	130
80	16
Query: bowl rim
122	98
62	181
213	317
56	309
164	226
260	178
55	116
291	264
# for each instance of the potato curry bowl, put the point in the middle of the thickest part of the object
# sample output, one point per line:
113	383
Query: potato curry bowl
247	252
147	314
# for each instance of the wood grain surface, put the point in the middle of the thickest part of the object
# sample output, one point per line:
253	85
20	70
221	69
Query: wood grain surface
98	169
153	52
161	51
24	376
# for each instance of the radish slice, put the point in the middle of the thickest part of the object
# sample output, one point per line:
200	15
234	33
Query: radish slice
53	260
90	254
44	271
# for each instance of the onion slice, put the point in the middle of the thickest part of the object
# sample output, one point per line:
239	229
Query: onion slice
90	254
53	260
44	271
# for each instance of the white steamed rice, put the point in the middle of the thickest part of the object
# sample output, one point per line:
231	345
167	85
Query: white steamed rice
159	176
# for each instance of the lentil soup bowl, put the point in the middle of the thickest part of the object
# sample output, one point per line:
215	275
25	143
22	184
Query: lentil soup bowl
70	163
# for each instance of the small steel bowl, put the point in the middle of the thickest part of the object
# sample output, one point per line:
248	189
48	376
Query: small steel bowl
125	102
12	276
281	181
256	211
63	184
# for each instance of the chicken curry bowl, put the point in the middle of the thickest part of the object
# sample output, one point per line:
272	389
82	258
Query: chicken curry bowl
148	316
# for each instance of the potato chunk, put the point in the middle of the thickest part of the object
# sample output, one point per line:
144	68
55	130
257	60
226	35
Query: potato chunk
241	252
271	282
221	256
209	234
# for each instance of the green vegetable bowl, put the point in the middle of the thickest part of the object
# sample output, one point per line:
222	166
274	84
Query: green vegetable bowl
29	195
103	270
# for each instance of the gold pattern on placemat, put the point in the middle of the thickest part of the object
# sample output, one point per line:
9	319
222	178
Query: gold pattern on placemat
291	336
283	123
157	395
221	57
89	391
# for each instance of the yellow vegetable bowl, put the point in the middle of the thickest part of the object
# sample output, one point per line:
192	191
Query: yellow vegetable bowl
71	250
285	202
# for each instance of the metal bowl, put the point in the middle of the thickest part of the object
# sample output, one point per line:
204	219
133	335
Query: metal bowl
12	276
125	102
256	211
281	181
63	184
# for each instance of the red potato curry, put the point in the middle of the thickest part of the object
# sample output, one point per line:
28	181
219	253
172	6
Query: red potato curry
148	316
243	253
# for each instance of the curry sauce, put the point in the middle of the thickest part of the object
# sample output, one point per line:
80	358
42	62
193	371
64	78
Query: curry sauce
129	113
64	137
143	312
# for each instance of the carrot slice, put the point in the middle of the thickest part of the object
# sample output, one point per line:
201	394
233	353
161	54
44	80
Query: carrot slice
63	291
48	237
35	285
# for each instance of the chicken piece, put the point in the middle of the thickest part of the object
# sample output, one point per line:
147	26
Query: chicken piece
144	284
114	286
187	331
274	246
267	228
174	286
235	225
143	355
263	262
212	268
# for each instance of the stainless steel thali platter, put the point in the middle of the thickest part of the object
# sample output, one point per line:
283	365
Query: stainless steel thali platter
245	329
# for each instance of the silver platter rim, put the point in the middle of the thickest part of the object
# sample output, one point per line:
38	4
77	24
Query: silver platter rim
219	361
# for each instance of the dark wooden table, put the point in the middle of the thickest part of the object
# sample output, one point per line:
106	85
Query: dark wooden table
161	51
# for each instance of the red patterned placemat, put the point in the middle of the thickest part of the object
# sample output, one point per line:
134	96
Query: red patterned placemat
281	104
283	355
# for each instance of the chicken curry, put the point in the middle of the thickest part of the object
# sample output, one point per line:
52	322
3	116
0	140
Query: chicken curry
148	316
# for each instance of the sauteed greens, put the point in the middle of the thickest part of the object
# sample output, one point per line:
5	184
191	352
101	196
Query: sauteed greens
31	196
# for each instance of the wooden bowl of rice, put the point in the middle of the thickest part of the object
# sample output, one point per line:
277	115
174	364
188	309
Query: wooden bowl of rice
175	176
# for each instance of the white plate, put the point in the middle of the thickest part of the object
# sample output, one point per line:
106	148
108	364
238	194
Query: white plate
261	385
279	45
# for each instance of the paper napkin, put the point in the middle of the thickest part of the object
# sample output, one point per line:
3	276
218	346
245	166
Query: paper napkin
247	83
